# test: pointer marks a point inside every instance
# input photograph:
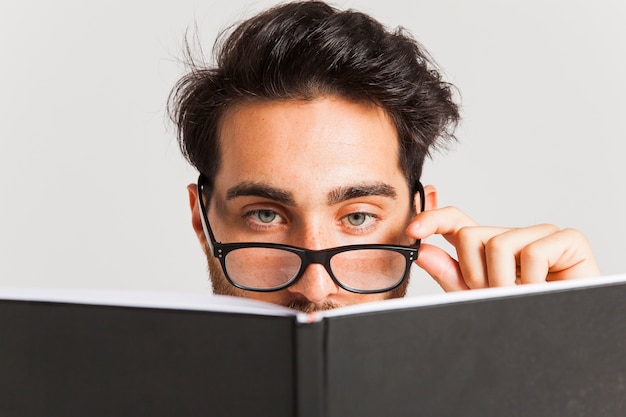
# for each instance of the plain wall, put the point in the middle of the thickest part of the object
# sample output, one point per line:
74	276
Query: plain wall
92	186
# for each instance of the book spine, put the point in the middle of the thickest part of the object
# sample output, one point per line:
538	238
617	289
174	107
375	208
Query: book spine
309	356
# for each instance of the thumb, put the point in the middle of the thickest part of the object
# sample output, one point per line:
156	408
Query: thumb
441	267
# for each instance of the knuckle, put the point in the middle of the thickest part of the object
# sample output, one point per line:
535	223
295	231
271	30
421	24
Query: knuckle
499	244
531	253
466	234
573	233
550	228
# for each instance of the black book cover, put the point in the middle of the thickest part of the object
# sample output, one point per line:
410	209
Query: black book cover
542	350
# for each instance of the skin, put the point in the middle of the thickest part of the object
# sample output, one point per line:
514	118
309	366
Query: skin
309	153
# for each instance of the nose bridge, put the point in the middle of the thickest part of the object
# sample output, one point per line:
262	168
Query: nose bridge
320	258
316	283
316	241
316	257
314	234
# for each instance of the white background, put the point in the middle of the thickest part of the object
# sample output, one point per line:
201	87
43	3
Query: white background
92	187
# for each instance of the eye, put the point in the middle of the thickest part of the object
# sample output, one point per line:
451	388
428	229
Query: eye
264	220
264	216
359	219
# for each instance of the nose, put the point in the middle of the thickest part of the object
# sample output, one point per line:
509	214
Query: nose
315	284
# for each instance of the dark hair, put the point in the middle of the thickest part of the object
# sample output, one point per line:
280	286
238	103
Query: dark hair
303	50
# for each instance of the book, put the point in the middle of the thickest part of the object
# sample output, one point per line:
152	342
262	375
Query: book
555	349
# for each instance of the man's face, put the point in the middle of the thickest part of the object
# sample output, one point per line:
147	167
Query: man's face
288	174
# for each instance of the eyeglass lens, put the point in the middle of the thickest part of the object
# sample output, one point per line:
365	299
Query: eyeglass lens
362	269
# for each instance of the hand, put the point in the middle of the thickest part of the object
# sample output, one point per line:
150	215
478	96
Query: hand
496	256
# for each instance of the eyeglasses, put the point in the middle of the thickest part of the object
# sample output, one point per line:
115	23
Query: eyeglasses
265	267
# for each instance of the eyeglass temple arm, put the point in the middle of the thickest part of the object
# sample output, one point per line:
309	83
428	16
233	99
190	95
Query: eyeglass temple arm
208	232
420	190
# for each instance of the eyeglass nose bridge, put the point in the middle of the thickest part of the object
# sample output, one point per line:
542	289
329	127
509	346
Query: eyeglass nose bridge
321	257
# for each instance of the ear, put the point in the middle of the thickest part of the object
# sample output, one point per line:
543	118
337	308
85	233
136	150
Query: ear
196	221
430	198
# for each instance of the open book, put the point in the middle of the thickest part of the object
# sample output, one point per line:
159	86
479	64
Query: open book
556	349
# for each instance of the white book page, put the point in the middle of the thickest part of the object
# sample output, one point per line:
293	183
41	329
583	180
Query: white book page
470	295
221	303
147	299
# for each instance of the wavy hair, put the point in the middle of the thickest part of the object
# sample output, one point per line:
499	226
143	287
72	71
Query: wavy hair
306	49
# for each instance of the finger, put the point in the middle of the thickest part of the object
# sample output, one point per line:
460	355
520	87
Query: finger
445	221
565	254
442	267
502	252
470	247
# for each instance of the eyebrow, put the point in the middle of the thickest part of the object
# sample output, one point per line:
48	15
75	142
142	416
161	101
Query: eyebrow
341	194
335	196
258	189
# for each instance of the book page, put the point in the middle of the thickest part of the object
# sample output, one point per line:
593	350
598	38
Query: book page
470	295
147	299
228	304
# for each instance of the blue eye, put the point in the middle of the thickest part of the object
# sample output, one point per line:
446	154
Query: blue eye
357	219
266	216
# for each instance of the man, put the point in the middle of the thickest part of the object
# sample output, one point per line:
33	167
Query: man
309	134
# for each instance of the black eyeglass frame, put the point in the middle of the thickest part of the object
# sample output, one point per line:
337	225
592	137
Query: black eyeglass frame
307	256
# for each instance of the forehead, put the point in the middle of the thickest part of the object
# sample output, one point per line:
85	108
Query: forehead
316	144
